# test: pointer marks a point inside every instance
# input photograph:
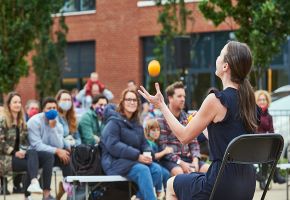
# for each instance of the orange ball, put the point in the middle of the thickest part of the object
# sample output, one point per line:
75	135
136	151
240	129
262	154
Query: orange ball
189	118
154	68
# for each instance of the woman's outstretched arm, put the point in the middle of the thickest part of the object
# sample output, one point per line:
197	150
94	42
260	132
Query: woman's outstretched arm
206	114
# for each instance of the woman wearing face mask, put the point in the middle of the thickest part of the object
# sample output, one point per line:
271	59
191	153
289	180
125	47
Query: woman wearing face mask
32	108
263	100
67	117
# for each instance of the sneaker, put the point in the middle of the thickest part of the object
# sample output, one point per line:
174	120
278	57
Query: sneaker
34	187
262	185
18	190
48	198
278	178
134	197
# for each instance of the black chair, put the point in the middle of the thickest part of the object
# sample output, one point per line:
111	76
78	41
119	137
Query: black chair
252	149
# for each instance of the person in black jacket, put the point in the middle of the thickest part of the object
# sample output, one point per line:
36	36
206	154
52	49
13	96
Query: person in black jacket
124	148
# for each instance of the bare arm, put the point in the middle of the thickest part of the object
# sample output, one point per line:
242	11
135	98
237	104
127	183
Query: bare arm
210	110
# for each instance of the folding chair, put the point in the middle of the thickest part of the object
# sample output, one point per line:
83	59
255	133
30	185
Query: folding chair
5	184
252	149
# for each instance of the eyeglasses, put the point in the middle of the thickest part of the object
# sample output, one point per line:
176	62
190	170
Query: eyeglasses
131	100
262	100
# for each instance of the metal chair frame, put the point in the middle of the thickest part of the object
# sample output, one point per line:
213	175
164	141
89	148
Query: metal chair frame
252	149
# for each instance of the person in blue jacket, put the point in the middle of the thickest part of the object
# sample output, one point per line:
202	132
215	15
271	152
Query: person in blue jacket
123	145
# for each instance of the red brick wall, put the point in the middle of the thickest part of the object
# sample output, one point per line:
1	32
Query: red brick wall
117	28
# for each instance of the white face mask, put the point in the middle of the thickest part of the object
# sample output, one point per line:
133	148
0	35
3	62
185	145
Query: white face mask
65	106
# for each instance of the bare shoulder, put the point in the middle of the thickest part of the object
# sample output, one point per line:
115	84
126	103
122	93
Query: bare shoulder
212	101
213	104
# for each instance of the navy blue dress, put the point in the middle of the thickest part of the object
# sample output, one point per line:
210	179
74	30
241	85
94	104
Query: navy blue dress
238	181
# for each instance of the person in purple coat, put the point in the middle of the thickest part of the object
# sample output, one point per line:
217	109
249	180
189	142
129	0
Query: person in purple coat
263	100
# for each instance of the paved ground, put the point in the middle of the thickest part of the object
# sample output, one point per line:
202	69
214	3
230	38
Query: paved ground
277	192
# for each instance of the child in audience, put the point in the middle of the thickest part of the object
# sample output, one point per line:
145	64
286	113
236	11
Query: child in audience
152	133
94	79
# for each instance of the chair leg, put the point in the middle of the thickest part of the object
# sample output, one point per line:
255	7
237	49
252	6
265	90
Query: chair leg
4	187
130	189
55	185
269	180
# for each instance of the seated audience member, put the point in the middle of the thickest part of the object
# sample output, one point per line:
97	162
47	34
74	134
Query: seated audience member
131	85
13	144
124	147
94	79
74	92
92	88
152	133
45	135
67	118
1	108
263	100
185	158
31	108
91	123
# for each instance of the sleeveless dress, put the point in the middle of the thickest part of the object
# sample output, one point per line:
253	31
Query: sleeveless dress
238	181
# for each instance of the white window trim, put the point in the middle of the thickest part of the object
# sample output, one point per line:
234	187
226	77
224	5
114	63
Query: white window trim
87	12
146	3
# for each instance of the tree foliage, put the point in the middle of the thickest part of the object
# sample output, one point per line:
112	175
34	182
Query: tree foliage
264	25
49	56
21	24
173	17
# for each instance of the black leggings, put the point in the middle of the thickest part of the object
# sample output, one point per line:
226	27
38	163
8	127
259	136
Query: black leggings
26	164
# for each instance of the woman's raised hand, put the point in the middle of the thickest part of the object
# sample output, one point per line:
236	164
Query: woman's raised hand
156	100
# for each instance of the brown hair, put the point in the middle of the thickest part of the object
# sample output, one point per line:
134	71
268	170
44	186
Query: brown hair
70	114
258	93
121	108
7	112
171	88
239	59
149	124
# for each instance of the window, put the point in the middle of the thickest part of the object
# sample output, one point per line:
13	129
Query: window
79	5
79	61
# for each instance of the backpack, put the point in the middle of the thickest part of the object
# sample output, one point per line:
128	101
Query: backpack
86	160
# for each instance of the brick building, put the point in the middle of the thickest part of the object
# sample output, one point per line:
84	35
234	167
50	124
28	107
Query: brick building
115	38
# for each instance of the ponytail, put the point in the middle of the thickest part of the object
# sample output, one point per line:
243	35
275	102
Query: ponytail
247	105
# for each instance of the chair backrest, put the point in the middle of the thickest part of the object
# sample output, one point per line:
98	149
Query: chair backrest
266	147
252	149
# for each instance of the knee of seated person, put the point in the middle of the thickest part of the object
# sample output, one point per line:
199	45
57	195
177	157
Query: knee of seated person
141	167
32	152
176	170
49	157
165	173
156	167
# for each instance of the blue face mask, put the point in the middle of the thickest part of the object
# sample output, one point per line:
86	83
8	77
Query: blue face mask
51	114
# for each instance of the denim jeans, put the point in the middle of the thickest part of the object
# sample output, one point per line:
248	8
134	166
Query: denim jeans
165	176
146	177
